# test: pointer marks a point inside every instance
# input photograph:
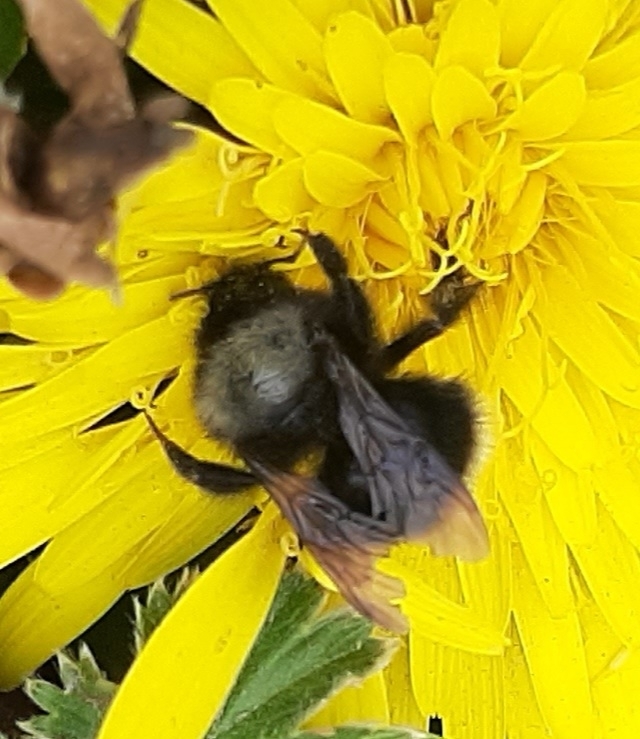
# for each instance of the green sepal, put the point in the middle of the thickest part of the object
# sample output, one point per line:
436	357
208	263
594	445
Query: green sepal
75	710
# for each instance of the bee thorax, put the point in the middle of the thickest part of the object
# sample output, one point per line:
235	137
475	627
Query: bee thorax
254	376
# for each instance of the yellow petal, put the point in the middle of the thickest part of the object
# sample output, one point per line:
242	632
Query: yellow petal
84	317
545	551
280	42
471	37
543	398
620	216
465	689
552	108
616	65
337	180
459	97
608	113
245	108
282	194
34	624
403	709
356	50
570	496
166	30
435	617
572	321
611	163
309	127
522	713
518	29
568	35
408	82
207	641
517	228
413	39
555	657
611	569
486	585
67	398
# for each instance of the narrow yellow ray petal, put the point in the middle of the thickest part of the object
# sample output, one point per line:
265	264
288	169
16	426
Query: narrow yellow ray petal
282	194
403	709
614	673
280	42
408	83
608	113
620	216
27	365
568	36
522	713
169	27
363	703
572	320
465	689
518	29
542	398
616	483
552	108
554	652
35	623
197	520
73	396
308	127
614	698
58	486
191	172
519	225
245	108
356	50
117	524
435	617
611	569
611	163
486	585
544	549
322	12
612	276
205	641
201	218
616	65
471	37
571	496
338	181
83	316
459	97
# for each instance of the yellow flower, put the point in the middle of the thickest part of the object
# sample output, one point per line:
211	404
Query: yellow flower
514	126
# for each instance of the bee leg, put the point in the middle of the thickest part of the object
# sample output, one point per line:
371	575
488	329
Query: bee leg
209	476
447	300
350	310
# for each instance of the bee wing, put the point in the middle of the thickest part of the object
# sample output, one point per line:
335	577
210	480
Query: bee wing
412	487
344	543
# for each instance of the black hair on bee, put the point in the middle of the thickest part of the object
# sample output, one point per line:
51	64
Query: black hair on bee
283	371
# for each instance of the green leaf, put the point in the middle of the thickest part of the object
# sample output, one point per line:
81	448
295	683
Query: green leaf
298	660
75	710
12	37
367	732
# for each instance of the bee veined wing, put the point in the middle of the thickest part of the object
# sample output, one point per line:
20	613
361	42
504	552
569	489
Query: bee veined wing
344	543
412	487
